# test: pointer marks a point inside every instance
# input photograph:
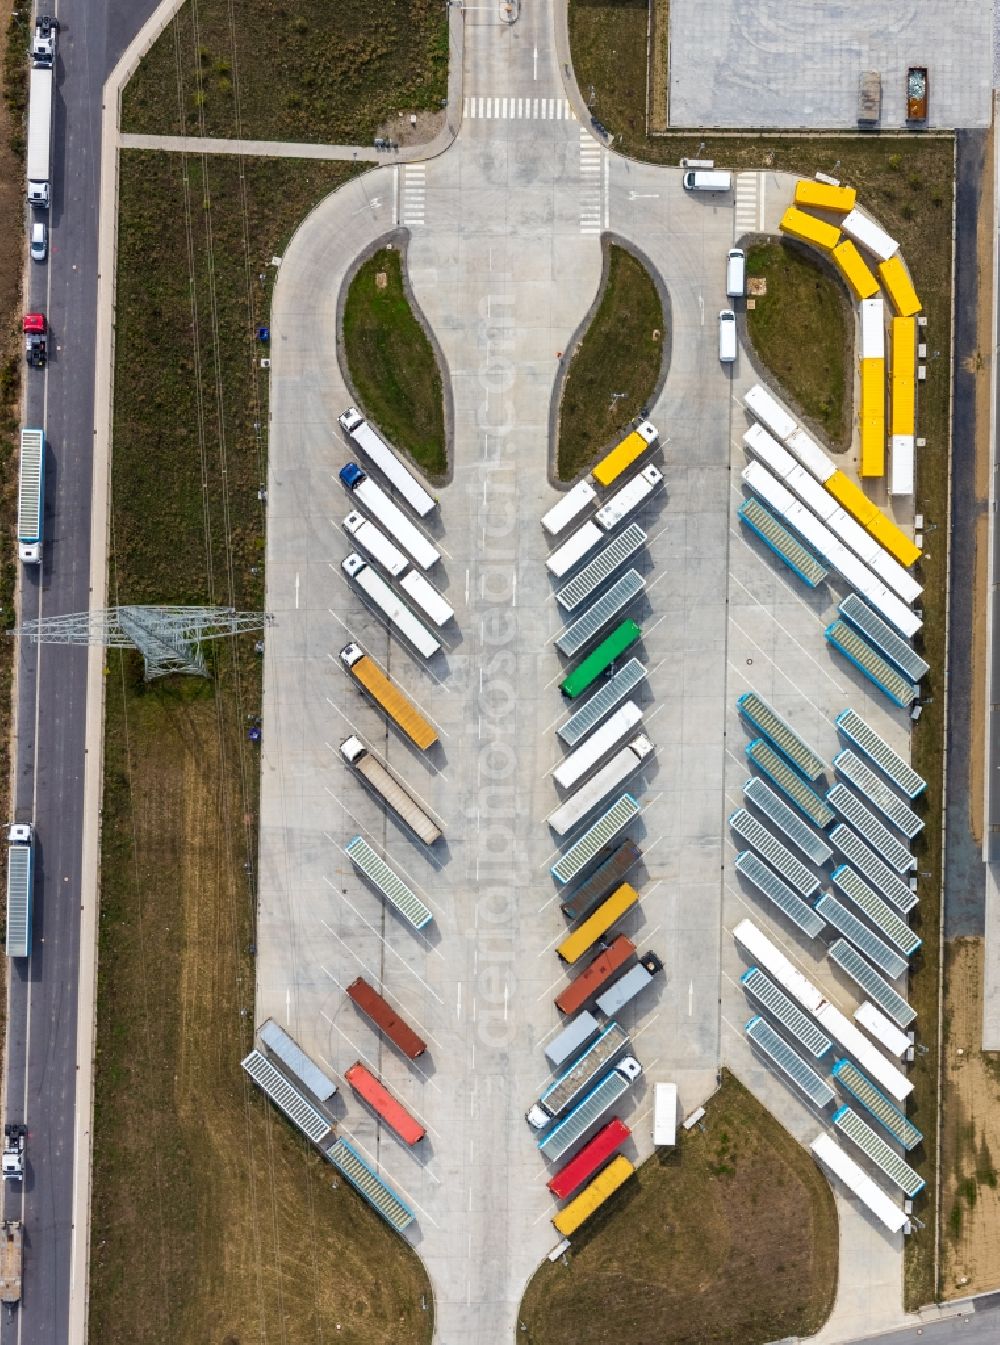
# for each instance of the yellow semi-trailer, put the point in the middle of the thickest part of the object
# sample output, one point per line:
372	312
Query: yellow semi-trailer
597	925
592	1197
855	270
808	229
624	454
400	709
830	196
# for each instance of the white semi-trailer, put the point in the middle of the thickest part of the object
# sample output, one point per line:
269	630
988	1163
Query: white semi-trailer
427	598
628	499
31	497
374	541
607	780
378	452
371	583
392	518
39	156
573	768
20	888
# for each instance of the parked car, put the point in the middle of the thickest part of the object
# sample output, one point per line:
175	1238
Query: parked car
727	336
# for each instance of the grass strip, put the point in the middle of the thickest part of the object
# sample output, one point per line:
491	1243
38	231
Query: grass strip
392	362
802	330
213	1219
732	1236
616	365
308	72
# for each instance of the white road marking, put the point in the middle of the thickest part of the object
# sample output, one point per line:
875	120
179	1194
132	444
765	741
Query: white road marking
296	590
371	928
534	54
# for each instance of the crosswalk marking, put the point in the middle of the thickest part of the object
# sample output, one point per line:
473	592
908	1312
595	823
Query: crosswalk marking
413	195
593	166
518	109
748	215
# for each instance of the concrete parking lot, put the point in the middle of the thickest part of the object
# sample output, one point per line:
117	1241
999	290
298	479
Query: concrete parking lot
504	260
792	63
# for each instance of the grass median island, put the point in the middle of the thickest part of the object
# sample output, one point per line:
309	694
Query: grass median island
311	71
731	1237
803	332
212	1219
616	366
392	362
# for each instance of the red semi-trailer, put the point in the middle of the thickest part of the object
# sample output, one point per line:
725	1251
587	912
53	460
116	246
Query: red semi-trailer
594	976
382	1014
381	1101
581	1168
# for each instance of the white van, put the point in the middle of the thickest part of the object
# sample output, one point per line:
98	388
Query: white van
727	336
736	273
698	180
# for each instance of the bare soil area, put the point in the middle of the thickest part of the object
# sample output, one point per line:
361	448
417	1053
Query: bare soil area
970	1193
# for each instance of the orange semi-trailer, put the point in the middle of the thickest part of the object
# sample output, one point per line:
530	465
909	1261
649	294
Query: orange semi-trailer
398	707
382	1102
597	972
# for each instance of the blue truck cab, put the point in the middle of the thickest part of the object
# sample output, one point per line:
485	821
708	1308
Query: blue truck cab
351	475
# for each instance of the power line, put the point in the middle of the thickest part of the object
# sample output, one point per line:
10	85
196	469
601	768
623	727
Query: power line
169	638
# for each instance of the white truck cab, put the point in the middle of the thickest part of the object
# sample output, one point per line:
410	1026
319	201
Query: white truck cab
43	41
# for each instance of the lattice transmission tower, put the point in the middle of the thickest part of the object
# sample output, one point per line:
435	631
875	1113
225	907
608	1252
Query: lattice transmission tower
168	638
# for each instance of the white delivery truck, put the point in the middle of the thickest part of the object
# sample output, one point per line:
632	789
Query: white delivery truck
664	1114
392	518
39	155
736	273
628	499
699	179
378	452
375	542
394	609
727	336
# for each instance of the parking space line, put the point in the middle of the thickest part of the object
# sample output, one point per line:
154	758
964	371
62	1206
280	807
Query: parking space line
372	930
362	1055
548	991
778	669
364	831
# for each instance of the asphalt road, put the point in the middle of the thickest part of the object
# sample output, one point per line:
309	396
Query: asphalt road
980	1326
965	888
41	1058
